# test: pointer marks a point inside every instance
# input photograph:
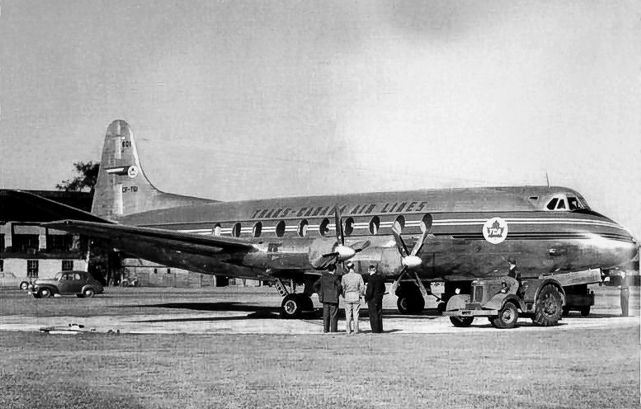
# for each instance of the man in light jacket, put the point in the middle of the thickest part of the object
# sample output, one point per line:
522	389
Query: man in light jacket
353	289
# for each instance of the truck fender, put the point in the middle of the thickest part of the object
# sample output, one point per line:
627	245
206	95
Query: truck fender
498	301
553	282
457	302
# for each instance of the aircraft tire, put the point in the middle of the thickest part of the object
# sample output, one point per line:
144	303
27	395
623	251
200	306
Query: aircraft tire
462	322
548	307
410	305
292	306
507	318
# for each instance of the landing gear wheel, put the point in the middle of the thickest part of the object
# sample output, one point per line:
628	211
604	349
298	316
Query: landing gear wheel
292	306
508	315
44	293
585	311
548	307
410	305
462	322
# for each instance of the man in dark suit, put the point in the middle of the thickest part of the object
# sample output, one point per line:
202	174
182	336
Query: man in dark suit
329	289
374	298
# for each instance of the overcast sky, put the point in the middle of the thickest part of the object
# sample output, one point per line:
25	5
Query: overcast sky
250	99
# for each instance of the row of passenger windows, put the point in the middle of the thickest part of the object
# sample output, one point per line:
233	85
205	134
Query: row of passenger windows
303	228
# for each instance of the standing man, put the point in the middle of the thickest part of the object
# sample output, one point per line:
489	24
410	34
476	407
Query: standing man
328	288
353	290
625	295
374	298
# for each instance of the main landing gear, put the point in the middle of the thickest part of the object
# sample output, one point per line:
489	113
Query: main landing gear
295	304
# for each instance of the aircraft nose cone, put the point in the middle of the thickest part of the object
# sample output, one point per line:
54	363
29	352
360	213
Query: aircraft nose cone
345	253
412	261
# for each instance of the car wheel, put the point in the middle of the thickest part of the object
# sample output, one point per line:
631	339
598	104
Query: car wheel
461	322
44	293
24	285
88	293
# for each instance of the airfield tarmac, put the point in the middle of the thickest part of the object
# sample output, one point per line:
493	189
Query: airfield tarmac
251	310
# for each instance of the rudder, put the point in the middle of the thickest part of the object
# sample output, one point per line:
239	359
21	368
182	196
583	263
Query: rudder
122	188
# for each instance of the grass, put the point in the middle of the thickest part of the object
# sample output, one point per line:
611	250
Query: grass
589	368
564	369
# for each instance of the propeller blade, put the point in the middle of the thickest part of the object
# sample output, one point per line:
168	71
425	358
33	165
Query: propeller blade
360	245
419	244
400	244
339	226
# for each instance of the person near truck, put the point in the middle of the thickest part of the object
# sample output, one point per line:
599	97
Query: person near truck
625	295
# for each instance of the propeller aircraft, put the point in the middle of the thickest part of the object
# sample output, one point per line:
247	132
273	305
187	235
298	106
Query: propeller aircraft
414	237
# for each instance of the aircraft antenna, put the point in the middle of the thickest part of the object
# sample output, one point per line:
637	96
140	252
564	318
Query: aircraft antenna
547	178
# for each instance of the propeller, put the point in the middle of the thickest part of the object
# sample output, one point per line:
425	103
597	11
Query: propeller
340	251
409	259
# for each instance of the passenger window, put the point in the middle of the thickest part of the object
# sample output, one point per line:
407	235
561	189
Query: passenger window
302	228
399	223
236	230
323	229
280	228
426	223
374	225
258	228
349	226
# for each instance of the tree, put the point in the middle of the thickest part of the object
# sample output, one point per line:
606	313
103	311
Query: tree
85	180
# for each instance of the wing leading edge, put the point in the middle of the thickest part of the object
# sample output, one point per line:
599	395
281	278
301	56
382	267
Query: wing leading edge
115	233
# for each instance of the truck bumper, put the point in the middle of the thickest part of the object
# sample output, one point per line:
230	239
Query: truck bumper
471	313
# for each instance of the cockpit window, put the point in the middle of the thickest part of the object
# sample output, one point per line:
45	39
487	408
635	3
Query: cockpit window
552	204
575	203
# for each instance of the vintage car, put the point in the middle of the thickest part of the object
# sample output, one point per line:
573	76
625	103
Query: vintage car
10	280
80	283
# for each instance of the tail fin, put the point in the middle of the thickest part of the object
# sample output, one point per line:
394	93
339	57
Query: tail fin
122	187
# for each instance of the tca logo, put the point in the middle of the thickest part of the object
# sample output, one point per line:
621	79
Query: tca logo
495	230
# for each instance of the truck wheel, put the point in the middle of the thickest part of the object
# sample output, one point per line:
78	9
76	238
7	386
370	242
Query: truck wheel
44	293
585	311
462	322
548	307
508	315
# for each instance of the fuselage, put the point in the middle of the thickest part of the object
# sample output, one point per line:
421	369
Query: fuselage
472	232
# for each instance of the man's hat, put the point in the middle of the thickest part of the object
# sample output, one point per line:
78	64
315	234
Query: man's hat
349	264
511	260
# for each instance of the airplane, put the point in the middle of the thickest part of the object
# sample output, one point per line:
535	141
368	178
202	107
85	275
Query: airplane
413	237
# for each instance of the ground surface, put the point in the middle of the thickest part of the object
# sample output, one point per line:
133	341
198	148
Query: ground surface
225	347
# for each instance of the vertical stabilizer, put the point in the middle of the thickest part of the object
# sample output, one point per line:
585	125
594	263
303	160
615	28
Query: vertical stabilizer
122	187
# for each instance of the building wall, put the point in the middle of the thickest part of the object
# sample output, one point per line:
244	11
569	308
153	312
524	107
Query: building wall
47	268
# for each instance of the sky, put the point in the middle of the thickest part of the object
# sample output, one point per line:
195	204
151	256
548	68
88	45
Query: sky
236	100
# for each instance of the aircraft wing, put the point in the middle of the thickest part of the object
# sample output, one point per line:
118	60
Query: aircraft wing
118	233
